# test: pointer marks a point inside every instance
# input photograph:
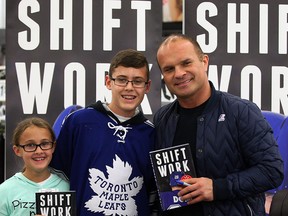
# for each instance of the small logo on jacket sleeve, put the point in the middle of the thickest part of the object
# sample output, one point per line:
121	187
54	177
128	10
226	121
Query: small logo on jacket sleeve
221	118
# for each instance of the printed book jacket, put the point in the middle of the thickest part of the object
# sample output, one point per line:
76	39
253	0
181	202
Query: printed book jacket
56	203
171	166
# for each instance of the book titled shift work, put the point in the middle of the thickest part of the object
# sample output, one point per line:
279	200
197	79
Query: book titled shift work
56	203
171	166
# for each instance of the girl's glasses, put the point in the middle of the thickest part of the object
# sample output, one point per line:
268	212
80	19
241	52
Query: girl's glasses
31	147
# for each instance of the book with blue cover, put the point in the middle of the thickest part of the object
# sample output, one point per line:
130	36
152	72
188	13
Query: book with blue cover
56	203
171	166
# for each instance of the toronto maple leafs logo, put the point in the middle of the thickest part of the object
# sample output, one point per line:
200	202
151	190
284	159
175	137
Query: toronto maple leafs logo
114	194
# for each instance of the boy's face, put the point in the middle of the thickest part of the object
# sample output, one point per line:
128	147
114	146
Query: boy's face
125	99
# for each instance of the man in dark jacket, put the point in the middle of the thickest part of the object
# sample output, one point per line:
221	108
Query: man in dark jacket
236	157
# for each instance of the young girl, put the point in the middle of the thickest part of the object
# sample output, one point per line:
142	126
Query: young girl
34	141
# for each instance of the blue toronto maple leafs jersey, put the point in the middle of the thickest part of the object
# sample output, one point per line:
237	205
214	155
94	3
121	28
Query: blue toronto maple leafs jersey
106	161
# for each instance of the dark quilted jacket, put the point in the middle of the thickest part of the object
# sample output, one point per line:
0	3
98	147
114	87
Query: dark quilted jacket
235	147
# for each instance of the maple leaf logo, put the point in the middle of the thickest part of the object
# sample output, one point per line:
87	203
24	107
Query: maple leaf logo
114	194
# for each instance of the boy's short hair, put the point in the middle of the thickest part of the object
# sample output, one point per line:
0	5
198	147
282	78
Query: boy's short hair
129	58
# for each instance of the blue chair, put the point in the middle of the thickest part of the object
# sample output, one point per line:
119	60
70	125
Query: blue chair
61	117
279	124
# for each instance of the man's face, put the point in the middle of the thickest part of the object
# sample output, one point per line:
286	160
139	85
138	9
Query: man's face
183	72
126	98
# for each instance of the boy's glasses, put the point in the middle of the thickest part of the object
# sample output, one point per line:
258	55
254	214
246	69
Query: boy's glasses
124	82
31	147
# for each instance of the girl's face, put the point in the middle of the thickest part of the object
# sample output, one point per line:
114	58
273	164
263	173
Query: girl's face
36	163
